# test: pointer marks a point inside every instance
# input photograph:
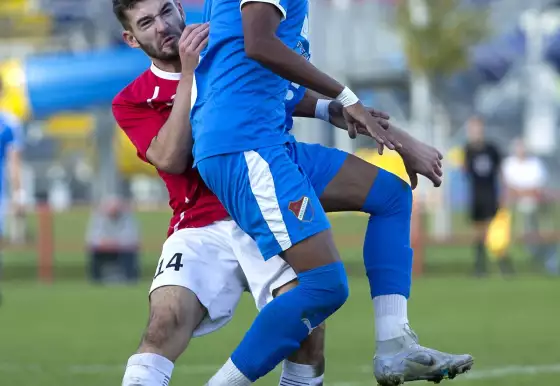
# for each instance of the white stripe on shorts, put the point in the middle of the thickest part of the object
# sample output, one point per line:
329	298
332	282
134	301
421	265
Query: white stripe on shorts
262	186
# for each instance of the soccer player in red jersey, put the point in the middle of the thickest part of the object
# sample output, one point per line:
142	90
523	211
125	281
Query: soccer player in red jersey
207	261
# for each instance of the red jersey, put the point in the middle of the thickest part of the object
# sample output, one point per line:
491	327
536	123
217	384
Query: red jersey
141	109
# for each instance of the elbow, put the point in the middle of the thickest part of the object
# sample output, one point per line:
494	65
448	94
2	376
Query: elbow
172	166
257	48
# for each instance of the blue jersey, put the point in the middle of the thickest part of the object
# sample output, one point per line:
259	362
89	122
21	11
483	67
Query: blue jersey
240	104
10	137
295	91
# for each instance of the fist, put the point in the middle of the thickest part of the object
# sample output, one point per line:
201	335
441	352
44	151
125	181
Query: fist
192	42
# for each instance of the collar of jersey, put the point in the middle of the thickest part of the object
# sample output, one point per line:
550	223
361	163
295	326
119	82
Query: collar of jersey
164	74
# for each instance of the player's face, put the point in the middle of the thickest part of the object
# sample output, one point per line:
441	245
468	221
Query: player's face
475	130
519	148
155	27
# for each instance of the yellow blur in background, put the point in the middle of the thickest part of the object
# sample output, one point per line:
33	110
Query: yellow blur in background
498	238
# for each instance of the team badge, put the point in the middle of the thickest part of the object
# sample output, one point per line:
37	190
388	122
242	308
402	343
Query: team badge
302	209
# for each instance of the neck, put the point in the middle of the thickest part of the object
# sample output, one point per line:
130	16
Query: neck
168	66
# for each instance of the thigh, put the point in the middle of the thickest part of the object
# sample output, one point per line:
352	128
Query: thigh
343	180
263	278
268	196
319	163
202	261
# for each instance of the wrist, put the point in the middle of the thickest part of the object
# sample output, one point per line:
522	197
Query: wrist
347	97
186	77
322	109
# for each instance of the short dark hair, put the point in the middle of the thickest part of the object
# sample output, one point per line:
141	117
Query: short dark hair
120	7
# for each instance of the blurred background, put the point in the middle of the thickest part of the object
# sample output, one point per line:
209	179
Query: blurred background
83	219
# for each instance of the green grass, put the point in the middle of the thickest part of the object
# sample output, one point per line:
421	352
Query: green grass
69	230
72	333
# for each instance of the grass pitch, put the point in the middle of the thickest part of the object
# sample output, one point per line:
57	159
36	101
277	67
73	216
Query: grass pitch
72	333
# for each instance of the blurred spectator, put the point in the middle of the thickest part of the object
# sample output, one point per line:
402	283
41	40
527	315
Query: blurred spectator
11	143
482	167
112	238
525	178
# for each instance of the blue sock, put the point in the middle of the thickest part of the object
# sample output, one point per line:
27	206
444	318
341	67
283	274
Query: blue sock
387	251
285	322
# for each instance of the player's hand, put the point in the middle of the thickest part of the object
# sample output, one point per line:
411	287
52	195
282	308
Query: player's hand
192	42
336	117
357	115
422	159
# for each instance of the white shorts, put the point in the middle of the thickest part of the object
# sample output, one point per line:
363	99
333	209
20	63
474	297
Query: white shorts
218	263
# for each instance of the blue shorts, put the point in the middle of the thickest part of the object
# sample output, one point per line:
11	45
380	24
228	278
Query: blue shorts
319	163
272	193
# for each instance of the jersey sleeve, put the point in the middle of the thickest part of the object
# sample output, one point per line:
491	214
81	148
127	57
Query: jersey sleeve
141	124
281	5
14	132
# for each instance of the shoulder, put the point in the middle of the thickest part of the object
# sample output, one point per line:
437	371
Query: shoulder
135	93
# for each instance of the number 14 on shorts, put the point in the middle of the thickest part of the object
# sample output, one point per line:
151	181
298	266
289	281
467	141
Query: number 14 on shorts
174	263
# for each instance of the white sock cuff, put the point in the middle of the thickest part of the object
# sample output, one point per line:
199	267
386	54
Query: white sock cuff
162	364
391	305
301	370
233	375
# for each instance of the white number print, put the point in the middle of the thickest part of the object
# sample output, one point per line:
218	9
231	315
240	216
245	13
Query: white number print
174	263
305	28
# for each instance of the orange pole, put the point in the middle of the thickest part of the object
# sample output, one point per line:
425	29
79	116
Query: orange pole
45	242
417	238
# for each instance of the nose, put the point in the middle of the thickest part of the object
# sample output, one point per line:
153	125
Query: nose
160	24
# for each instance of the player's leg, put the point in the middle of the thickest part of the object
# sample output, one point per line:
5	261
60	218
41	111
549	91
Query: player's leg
305	367
174	314
484	209
196	288
348	183
267	280
2	241
269	197
481	221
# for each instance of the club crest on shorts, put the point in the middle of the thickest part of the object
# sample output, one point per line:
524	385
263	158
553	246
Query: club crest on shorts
302	209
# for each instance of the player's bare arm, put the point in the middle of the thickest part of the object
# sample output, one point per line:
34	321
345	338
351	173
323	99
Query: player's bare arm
260	22
15	177
171	150
418	157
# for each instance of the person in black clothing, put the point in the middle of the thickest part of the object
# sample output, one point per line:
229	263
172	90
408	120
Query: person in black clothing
482	166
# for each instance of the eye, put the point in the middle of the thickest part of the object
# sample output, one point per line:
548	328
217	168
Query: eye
166	11
145	23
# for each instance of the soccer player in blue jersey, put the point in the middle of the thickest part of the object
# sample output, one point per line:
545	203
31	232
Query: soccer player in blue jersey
271	186
10	162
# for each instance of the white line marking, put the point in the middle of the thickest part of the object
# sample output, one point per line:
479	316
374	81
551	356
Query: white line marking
498	372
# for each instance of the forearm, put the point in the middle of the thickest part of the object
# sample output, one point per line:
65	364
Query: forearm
171	149
15	176
307	106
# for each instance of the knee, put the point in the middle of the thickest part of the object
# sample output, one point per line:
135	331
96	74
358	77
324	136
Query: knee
390	195
174	314
401	196
339	289
164	324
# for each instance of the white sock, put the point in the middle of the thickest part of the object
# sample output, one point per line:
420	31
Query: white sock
229	375
390	316
148	370
300	375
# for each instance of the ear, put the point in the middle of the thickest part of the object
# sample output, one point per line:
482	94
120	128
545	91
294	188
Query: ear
129	39
181	11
